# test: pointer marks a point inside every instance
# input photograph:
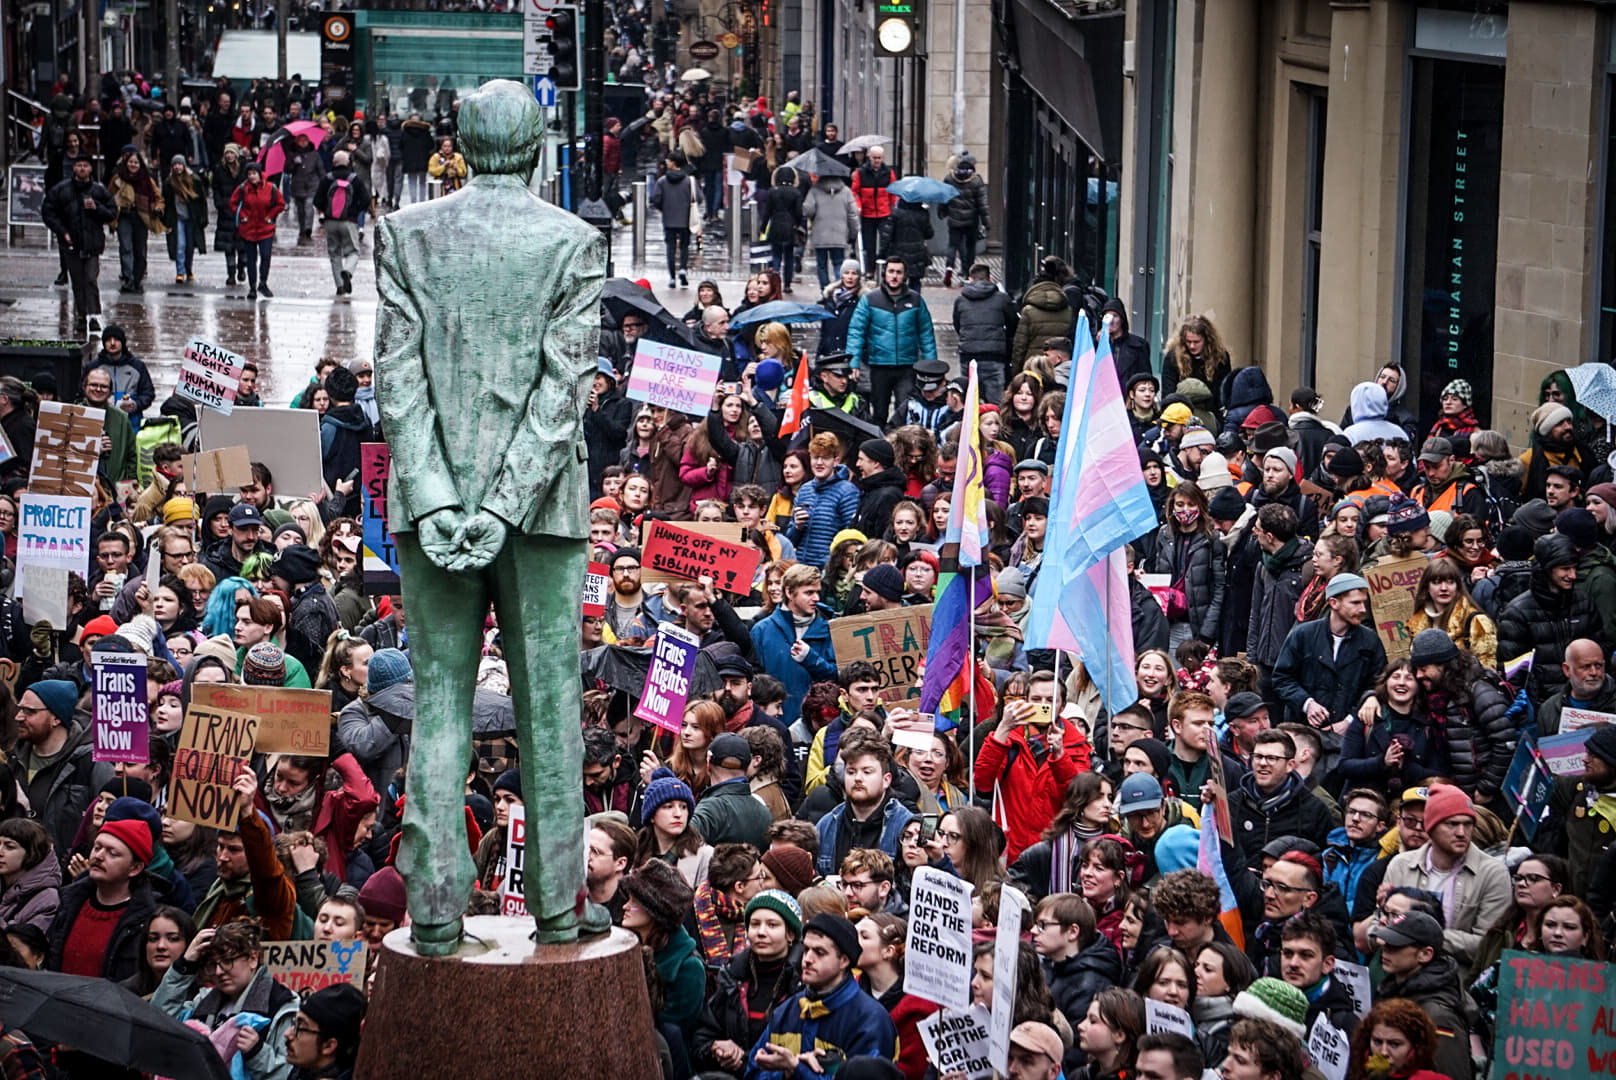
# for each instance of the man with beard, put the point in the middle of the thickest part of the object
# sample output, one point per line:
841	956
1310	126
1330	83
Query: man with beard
1418	969
611	849
868	817
1447	485
623	606
1587	686
740	712
1327	665
607	785
1472	709
1554	442
1279	486
1271	801
1193	449
224	557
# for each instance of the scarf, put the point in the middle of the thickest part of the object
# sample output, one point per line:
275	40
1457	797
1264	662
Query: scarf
713	910
1276	563
365	398
221	891
141	194
183	187
1063	851
294	812
1310	605
1463	424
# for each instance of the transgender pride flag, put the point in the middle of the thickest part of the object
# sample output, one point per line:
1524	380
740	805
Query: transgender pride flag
1080	599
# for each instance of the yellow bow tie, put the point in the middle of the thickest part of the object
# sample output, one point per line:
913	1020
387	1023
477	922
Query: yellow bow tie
813	1008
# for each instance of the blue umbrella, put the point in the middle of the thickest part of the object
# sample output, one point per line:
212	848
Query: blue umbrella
1595	387
780	311
923	189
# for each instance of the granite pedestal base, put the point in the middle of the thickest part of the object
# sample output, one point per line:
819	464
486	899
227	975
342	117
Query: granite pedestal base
506	1008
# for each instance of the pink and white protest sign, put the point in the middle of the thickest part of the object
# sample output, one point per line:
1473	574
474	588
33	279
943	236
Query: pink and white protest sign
667	680
679	379
210	375
597	589
119	695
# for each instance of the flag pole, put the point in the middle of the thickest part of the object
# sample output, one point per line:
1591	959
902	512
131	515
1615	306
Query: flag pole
970	674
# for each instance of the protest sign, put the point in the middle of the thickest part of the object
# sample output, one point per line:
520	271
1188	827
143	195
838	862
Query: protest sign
667	680
306	966
1354	978
1528	784
210	376
43	592
1006	958
1555	1018
512	889
1329	1048
914	730
1391	597
119	701
1164	1019
1577	719
678	379
285	440
728	531
1159	585
687	555
52	531
597	589
1220	798
957	1042
225	469
379	559
894	641
1565	754
289	721
67	449
938	950
214	744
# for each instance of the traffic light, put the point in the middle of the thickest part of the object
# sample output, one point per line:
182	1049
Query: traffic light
562	22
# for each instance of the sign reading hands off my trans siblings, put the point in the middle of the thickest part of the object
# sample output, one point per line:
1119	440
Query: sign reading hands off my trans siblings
682	553
675	378
1556	1018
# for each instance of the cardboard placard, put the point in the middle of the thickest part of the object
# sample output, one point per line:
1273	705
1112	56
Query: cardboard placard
1391	597
210	375
894	641
680	554
378	556
118	696
286	441
512	887
1329	1048
1577	719
43	592
214	744
67	449
727	531
679	379
213	471
667	679
1006	960
306	966
957	1042
597	589
1162	1018
1355	979
937	953
289	721
1528	783
1554	1017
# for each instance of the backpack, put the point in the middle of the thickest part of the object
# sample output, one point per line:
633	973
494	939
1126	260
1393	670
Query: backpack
339	200
153	433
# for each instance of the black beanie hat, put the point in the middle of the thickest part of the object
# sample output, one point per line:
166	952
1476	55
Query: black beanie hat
338	1010
838	928
1515	543
879	450
1161	758
296	563
1226	505
115	330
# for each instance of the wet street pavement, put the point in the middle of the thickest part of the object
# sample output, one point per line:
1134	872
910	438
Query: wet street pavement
306	320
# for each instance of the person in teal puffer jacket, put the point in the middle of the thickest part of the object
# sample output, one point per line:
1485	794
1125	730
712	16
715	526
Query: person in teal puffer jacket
825	504
889	333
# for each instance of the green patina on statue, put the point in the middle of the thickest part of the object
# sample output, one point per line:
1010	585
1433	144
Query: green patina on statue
485	355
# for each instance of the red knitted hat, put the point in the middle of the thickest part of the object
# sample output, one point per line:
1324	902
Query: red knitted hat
1446	801
134	834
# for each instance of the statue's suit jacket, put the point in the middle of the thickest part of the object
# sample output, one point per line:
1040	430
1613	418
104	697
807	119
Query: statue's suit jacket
486	346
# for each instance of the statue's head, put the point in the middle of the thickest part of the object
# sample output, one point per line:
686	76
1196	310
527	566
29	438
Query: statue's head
501	128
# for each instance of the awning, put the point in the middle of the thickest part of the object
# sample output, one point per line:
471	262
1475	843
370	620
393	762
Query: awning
253	54
1049	47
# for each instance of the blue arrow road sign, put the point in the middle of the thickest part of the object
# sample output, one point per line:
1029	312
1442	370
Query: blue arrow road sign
544	88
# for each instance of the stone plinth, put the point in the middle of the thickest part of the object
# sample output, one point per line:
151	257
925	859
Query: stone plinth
506	1008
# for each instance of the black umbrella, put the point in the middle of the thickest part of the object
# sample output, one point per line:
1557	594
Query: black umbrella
622	296
102	1019
850	429
816	162
623	667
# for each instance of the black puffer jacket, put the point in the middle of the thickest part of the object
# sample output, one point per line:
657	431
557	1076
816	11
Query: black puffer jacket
905	233
725	1015
878	495
985	318
1075	981
1480	735
1273	603
1293	810
1545	621
1198	563
1507	581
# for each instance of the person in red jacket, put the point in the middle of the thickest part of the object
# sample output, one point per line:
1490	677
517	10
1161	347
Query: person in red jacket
256	205
1026	765
875	205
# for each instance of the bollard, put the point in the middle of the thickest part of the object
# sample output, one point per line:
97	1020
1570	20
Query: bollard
641	213
748	233
737	242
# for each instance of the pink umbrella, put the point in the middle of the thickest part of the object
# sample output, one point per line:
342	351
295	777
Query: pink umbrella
273	158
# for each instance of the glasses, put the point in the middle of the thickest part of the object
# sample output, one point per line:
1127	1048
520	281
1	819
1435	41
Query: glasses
1127	727
1048	924
186	555
1280	888
300	1028
1362	814
851	886
1532	879
1409	822
625	569
1268	759
950	837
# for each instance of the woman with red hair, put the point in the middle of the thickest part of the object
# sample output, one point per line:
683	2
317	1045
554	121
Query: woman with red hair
1396	1041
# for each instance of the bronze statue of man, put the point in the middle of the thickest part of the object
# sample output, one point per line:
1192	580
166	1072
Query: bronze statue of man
486	347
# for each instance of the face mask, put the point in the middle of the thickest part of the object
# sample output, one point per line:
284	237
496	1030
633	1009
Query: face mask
1186	515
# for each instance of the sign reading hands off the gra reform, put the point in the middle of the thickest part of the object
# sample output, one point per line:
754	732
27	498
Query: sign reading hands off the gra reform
937	953
1556	1018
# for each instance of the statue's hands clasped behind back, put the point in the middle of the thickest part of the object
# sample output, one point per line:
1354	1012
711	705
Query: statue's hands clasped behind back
461	543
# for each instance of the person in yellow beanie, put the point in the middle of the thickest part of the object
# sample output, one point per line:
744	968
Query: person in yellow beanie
180	511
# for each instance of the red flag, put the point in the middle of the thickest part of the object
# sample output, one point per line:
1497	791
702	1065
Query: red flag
797	406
